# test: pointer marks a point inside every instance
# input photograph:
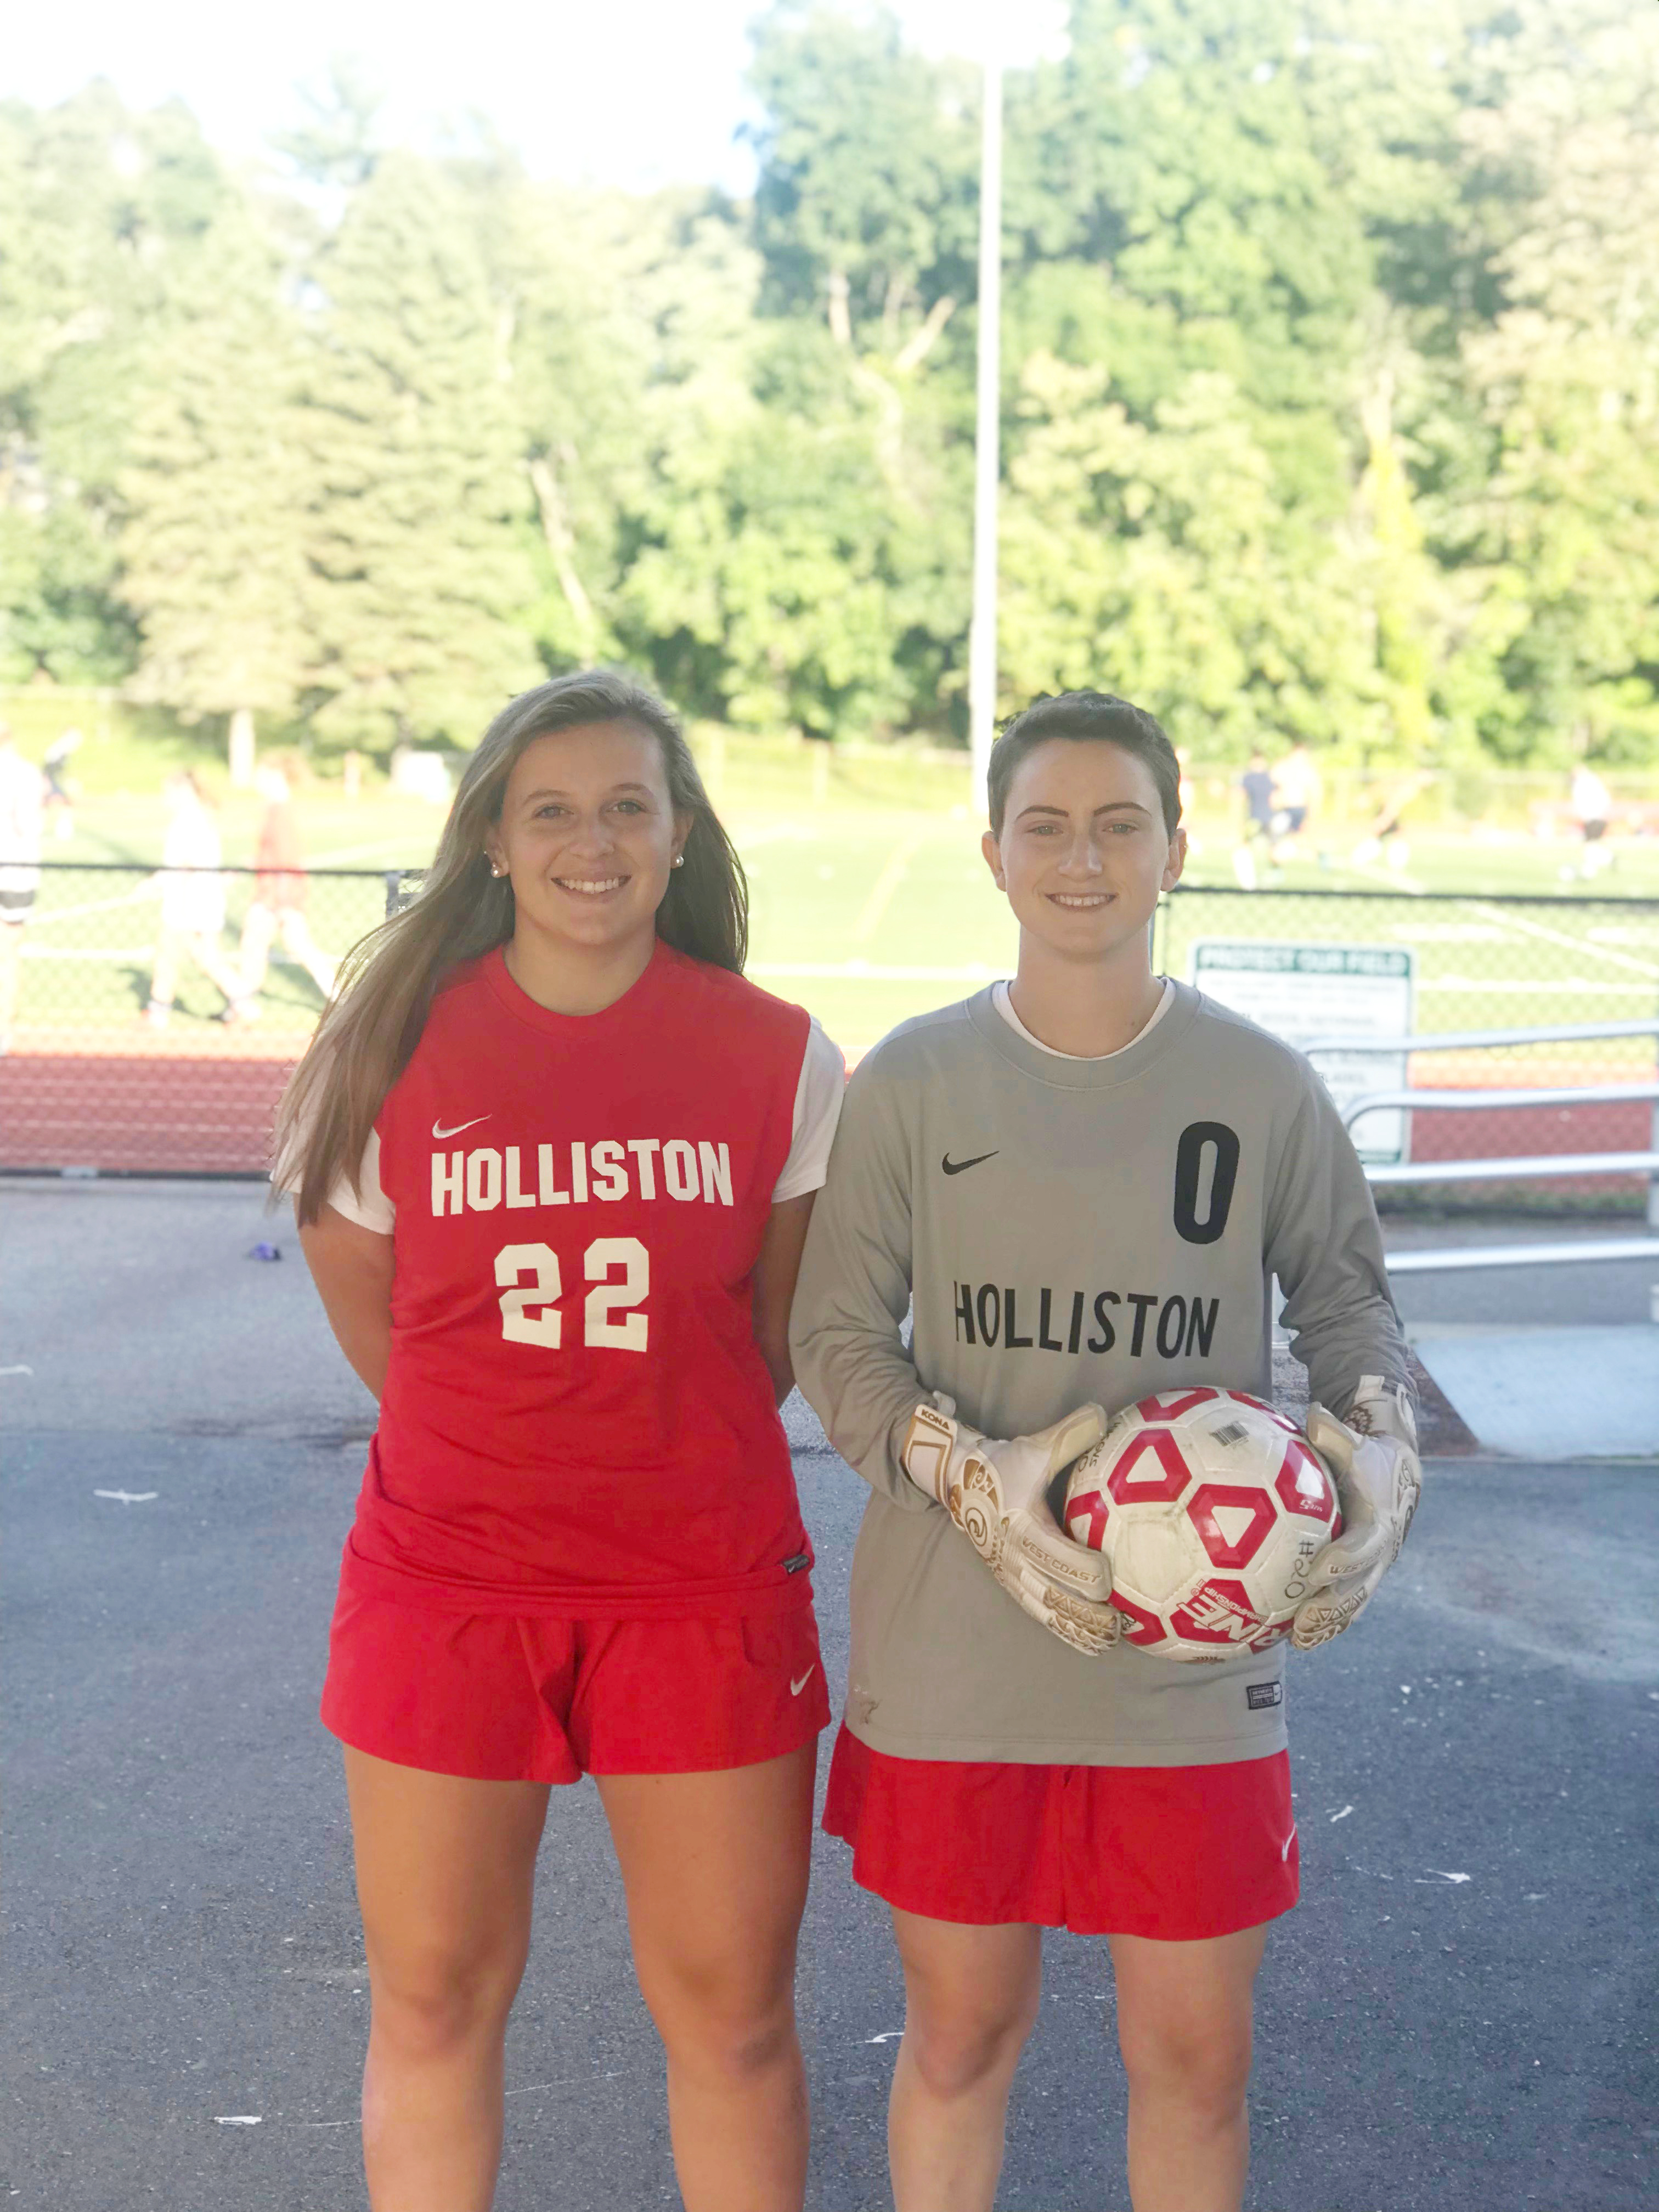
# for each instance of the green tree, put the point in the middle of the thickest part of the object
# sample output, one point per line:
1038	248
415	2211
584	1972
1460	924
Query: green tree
213	546
336	143
866	203
771	587
101	211
1331	349
631	320
417	539
1162	560
822	577
1178	145
1561	526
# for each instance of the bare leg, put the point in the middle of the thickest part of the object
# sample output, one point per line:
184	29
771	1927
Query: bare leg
716	1869
298	940
164	978
259	933
445	1874
11	957
1183	2023
214	964
970	2001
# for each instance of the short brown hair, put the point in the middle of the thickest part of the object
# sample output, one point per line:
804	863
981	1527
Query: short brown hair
1085	716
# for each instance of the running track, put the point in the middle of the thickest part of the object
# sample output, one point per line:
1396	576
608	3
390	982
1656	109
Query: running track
170	1105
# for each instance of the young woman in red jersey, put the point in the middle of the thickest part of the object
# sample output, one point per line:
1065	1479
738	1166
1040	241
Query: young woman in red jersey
553	1160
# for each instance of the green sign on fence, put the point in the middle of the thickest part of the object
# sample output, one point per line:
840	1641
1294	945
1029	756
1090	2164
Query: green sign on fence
1305	992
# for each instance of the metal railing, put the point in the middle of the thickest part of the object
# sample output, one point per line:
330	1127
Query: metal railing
1475	1040
1587	1250
1520	1167
1464	1102
1525	1167
1380	975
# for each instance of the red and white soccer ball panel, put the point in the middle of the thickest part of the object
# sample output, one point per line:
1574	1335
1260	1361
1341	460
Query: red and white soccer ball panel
1219	1611
1152	1556
1209	1507
1148	1469
1086	1515
1166	1406
1279	1420
1305	1487
1233	1521
1146	1629
1236	1442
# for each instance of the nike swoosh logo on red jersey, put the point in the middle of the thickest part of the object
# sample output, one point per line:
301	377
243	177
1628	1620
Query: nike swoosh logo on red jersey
441	1134
796	1687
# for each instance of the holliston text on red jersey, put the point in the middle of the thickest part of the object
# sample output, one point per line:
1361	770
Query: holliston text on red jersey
608	1169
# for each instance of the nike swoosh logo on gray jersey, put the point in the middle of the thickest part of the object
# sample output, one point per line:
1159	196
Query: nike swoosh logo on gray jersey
957	1167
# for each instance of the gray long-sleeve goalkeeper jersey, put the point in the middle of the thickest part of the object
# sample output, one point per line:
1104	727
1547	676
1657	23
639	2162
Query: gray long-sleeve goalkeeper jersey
1066	1229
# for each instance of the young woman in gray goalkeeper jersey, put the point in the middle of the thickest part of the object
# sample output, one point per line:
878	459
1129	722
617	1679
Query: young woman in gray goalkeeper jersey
1081	1184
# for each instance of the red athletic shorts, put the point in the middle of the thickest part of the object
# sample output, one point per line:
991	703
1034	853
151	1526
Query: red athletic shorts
499	1698
1180	1853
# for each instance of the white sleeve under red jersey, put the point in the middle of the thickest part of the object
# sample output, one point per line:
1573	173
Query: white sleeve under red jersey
576	1416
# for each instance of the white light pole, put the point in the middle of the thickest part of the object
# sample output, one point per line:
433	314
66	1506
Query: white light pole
983	632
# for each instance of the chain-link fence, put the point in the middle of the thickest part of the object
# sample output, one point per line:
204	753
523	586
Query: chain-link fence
154	1016
1314	965
120	1056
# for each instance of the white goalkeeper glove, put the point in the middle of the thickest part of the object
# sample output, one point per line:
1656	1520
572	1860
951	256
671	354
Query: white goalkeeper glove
1372	1457
995	1490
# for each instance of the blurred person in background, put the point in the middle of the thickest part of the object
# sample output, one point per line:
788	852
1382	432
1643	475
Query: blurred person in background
1297	794
277	914
1256	786
192	900
22	798
1188	791
1384	839
1592	807
60	795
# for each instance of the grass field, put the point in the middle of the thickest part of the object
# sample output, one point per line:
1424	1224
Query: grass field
871	901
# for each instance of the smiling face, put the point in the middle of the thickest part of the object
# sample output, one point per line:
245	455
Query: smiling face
588	834
1083	852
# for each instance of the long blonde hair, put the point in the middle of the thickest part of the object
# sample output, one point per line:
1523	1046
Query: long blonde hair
370	1029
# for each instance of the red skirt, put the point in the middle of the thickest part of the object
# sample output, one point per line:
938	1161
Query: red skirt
1179	1853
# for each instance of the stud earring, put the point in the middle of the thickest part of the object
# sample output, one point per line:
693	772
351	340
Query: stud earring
678	861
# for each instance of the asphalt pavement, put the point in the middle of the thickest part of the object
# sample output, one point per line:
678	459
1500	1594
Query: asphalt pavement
1459	2016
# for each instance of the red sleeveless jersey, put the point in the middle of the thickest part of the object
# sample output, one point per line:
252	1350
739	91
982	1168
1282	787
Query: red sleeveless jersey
576	1418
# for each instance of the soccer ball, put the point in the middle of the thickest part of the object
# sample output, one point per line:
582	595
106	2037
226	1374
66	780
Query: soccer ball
1208	1506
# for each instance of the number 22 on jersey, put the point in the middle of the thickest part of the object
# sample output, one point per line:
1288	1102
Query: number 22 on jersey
530	1311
